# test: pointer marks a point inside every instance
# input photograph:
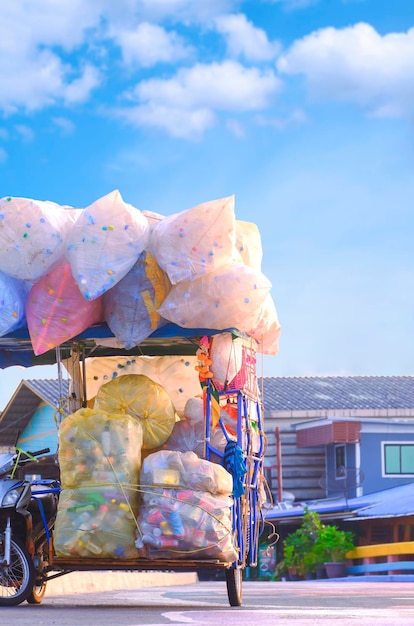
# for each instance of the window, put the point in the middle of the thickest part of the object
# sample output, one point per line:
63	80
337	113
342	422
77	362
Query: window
340	461
398	459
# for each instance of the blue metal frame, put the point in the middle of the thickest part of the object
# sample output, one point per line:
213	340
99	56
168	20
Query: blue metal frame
246	532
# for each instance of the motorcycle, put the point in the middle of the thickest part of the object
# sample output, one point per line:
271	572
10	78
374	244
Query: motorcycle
28	508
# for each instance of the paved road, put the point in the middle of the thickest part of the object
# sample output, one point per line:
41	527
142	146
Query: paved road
264	604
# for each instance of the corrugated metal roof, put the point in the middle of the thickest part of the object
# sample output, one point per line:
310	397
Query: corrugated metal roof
315	393
48	389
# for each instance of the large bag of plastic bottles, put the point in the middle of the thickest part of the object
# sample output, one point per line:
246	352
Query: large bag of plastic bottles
176	374
33	236
13	296
143	399
99	458
187	508
131	306
96	447
104	244
228	297
56	311
194	242
96	522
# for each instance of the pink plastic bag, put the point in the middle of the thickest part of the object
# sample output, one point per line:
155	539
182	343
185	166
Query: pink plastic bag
56	310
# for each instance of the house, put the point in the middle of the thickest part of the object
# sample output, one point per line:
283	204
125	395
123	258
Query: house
363	455
318	426
31	417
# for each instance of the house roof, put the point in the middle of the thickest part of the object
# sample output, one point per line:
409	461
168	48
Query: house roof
393	502
24	402
313	393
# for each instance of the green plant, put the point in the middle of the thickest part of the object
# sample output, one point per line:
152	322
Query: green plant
298	546
313	544
333	544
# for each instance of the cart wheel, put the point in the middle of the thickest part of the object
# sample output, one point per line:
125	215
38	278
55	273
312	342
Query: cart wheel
234	578
37	594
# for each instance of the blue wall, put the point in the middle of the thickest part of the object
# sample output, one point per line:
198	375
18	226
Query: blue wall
371	461
41	432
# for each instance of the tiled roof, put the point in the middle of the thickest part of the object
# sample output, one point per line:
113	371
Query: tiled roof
338	392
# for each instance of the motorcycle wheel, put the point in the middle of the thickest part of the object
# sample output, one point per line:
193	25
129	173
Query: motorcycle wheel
17	578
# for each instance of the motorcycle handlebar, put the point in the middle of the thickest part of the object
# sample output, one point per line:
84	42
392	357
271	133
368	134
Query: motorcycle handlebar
39	452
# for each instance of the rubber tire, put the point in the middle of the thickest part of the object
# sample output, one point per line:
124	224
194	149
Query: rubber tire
39	590
37	594
234	579
21	559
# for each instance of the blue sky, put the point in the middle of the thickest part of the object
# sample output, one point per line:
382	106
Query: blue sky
301	108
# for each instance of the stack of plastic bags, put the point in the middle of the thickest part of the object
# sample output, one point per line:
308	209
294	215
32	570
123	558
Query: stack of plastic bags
100	459
199	268
186	511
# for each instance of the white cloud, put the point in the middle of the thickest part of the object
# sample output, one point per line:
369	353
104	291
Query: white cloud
297	117
177	122
227	86
3	155
25	132
245	39
32	74
187	104
357	65
149	44
236	128
64	124
80	88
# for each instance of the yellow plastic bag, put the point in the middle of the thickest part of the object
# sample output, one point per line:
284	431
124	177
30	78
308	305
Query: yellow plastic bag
143	399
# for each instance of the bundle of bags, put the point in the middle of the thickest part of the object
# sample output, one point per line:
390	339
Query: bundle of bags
177	505
197	268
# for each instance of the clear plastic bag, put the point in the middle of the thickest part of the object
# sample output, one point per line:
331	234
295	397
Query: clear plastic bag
266	328
249	244
179	524
228	297
104	244
33	236
192	243
189	436
167	467
186	511
226	354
